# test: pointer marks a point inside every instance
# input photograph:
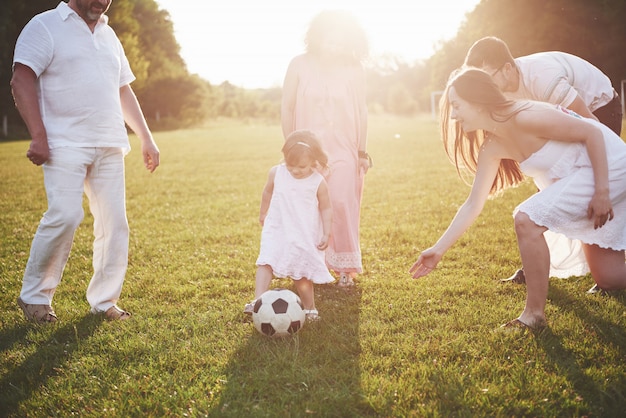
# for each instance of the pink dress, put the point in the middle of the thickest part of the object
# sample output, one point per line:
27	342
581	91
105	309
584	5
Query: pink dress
328	105
293	228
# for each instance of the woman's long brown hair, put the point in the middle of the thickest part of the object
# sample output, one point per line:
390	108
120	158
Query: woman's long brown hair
462	148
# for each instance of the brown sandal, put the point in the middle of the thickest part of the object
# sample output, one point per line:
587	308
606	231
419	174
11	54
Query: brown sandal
42	314
116	314
518	278
345	280
517	325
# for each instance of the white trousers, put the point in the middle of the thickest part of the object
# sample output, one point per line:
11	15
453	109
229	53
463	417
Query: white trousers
70	172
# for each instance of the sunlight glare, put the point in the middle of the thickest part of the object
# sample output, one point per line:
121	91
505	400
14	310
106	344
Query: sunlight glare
250	43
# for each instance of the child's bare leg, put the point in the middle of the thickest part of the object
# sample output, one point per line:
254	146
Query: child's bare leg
608	267
264	275
306	292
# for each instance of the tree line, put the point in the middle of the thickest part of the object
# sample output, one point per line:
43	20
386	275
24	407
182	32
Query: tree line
172	97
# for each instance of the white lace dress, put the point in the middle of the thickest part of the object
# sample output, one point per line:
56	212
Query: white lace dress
563	173
293	228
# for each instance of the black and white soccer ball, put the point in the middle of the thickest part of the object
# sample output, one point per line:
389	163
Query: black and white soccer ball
278	313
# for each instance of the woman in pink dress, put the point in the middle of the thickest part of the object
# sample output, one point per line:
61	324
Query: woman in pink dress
324	91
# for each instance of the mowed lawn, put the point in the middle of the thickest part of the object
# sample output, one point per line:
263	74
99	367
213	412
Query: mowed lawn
392	347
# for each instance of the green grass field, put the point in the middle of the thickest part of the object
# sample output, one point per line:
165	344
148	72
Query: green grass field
393	347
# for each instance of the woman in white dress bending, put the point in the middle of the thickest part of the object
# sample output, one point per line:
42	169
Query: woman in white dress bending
296	215
578	165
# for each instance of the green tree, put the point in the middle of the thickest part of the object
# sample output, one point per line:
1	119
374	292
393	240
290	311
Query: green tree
163	85
170	96
13	16
147	34
178	101
593	30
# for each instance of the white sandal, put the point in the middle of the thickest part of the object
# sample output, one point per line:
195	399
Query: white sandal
312	315
249	308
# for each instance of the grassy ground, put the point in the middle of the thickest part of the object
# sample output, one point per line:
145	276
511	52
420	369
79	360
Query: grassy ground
392	347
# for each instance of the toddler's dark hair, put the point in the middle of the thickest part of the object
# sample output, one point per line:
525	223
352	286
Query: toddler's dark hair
301	143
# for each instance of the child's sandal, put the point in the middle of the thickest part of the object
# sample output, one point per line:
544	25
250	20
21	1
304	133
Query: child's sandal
312	315
248	309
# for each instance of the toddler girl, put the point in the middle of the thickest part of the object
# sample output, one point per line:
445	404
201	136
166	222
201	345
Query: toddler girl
296	216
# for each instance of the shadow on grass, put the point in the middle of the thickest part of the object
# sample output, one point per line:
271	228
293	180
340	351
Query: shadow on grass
604	399
316	372
606	330
32	372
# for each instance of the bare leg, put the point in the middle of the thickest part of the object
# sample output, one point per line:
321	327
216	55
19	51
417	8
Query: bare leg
607	267
306	292
536	261
264	275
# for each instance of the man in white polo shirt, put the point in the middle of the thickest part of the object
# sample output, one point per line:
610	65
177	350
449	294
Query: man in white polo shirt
554	77
71	85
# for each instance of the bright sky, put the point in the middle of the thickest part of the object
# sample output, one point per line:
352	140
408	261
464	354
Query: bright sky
249	43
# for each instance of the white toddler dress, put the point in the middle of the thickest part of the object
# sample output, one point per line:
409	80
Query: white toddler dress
293	228
563	173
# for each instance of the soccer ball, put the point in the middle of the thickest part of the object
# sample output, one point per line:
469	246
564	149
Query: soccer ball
278	313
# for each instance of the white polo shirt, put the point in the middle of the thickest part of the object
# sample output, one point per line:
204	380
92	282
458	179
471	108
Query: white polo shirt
79	78
556	77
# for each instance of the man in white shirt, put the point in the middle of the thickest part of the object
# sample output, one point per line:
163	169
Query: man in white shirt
71	85
554	77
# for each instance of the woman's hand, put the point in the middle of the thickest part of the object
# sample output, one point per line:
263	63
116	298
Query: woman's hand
600	209
364	165
426	263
